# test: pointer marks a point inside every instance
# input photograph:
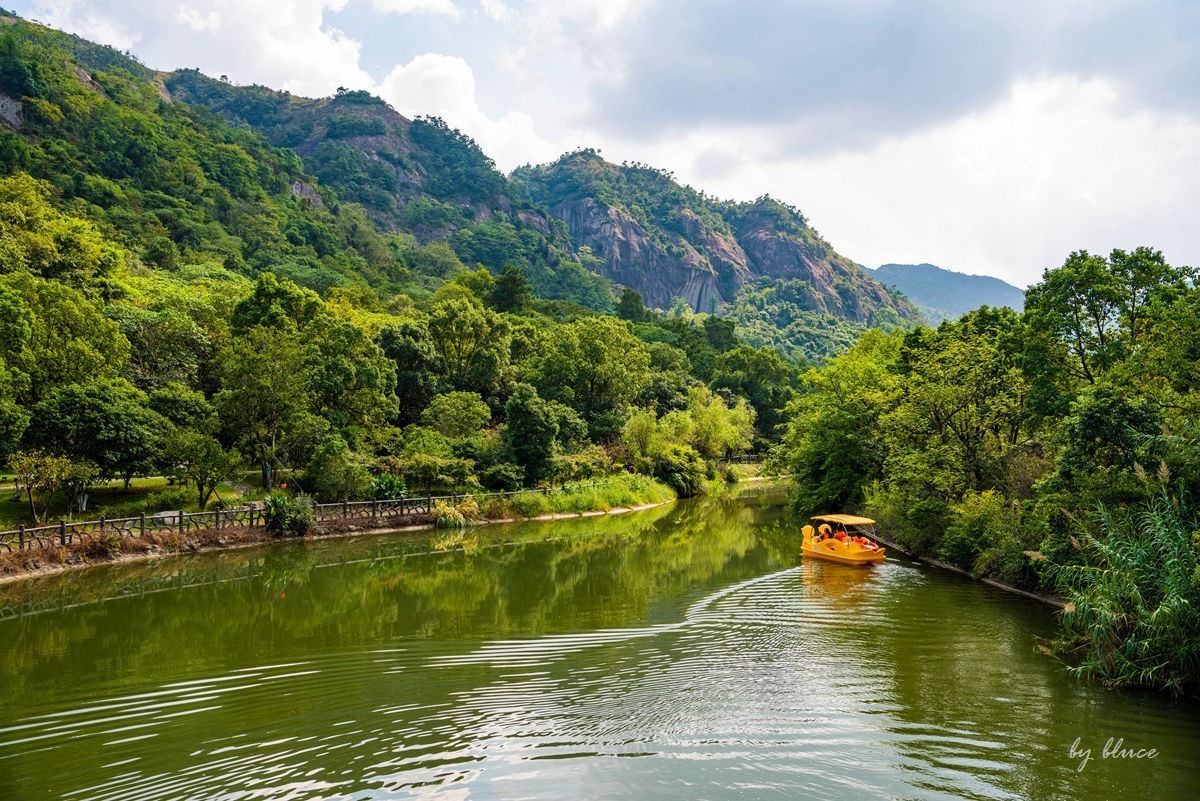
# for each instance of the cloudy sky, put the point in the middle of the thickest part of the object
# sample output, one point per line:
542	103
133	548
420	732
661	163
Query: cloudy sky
993	137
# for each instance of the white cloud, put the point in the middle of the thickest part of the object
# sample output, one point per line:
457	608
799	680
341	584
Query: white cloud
431	84
497	10
81	18
1059	165
197	21
442	7
444	86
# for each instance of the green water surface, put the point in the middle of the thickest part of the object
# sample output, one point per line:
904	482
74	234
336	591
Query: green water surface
686	652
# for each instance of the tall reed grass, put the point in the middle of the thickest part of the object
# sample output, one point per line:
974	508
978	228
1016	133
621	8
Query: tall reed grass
1134	612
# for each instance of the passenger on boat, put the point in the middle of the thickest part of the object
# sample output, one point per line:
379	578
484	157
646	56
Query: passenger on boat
824	532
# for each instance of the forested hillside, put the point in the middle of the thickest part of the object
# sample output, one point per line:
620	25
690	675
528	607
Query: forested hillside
758	262
415	176
180	297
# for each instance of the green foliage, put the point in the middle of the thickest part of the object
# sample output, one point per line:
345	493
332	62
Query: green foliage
832	445
39	475
531	433
511	292
409	345
289	515
1134	617
200	460
597	366
456	414
335	473
680	468
104	422
472	345
630	306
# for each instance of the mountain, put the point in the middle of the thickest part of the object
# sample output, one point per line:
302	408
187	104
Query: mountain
669	241
343	193
419	177
944	294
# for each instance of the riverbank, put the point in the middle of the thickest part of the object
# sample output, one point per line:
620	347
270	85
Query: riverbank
1046	598
621	494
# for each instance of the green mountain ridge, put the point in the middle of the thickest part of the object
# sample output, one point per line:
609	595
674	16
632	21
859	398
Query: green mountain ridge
943	294
343	193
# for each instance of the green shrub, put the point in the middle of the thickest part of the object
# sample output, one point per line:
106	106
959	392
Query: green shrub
530	504
289	516
102	544
1134	612
681	468
388	487
336	473
464	513
503	477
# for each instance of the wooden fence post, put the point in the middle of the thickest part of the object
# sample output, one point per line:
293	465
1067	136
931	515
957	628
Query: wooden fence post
142	525
21	537
217	517
62	532
345	509
181	522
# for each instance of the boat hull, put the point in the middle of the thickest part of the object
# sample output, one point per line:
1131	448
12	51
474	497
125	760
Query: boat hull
842	553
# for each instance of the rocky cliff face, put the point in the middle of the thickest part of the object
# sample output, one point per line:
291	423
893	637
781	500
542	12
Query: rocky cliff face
692	270
667	241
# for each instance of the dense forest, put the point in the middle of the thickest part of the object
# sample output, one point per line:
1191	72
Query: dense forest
1055	449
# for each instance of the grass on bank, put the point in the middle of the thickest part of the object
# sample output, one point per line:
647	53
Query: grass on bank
620	490
148	495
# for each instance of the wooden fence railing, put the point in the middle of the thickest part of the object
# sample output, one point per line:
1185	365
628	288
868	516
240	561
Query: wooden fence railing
385	512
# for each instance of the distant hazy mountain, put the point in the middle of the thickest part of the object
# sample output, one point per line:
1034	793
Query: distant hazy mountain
944	294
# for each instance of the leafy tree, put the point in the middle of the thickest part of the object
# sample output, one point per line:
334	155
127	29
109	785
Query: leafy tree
352	380
598	367
832	446
199	458
719	333
39	475
717	429
511	292
630	306
1078	306
530	433
336	473
13	419
277	303
457	414
55	336
266	401
408	344
166	345
183	407
762	377
104	422
472	344
37	238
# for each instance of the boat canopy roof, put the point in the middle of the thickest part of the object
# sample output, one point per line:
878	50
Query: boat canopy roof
845	520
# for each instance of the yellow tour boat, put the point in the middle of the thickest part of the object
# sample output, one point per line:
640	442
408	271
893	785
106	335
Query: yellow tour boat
842	538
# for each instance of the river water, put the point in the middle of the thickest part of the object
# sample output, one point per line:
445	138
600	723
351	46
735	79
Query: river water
685	652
